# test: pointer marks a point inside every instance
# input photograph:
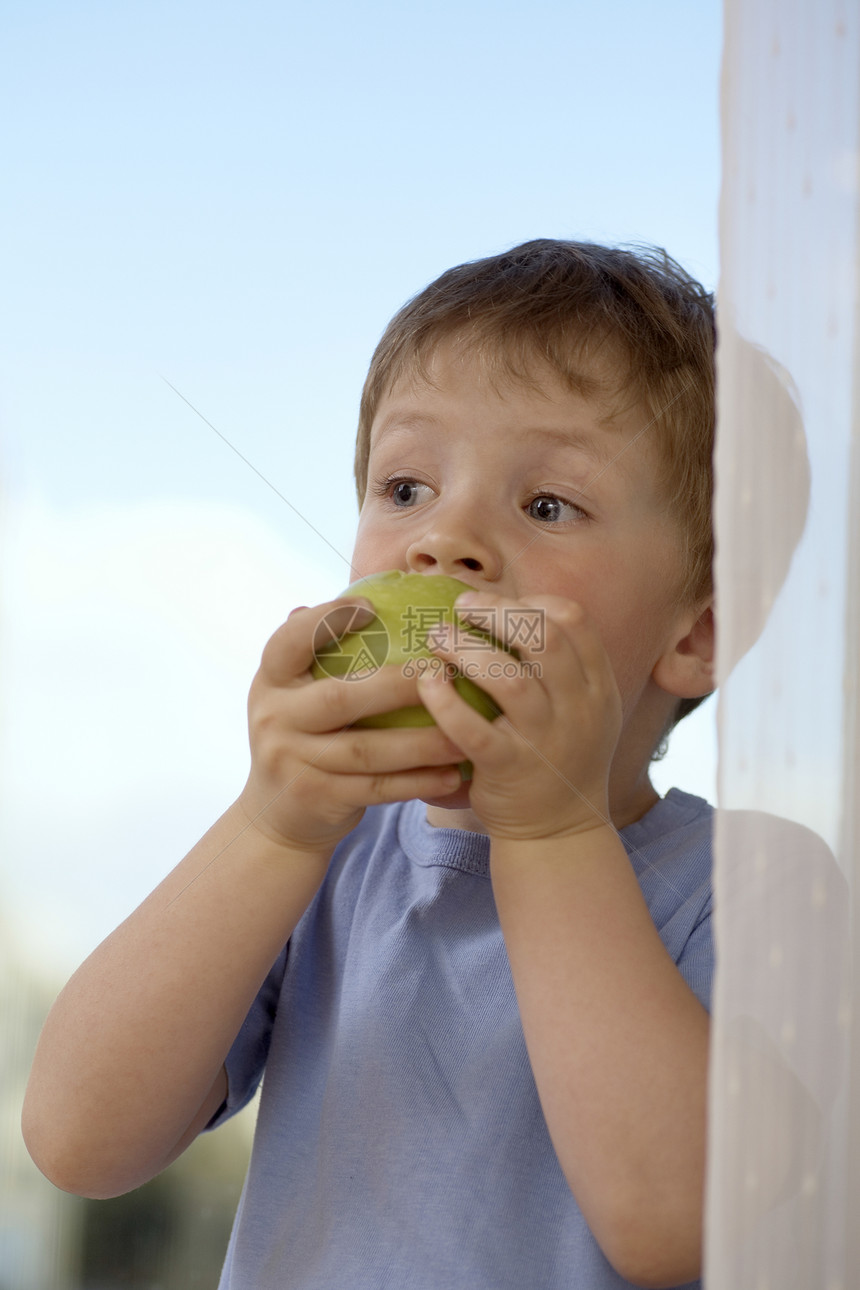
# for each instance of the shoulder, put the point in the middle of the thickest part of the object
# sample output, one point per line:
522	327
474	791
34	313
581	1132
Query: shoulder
677	820
671	851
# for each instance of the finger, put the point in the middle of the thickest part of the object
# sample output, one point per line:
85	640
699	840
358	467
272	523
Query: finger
354	792
477	737
343	616
495	670
359	751
519	626
290	651
580	631
333	702
544	627
406	785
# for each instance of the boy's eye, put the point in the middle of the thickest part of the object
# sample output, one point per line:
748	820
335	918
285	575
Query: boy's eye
551	510
403	493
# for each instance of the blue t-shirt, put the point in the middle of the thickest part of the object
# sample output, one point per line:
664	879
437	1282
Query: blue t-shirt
400	1140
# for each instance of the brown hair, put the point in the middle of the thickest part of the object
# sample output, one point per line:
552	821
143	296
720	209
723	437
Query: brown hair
573	306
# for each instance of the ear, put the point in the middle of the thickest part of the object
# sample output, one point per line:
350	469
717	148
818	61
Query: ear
687	667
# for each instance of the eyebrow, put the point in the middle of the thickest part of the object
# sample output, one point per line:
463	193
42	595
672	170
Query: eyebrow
396	424
600	453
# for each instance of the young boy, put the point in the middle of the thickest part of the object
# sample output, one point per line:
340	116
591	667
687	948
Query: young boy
485	1031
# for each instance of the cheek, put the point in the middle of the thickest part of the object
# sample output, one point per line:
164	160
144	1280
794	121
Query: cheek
363	537
374	552
633	632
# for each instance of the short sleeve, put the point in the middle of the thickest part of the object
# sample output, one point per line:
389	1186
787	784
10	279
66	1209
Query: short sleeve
696	962
246	1059
670	850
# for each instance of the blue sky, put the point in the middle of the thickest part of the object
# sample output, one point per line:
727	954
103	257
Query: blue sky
235	200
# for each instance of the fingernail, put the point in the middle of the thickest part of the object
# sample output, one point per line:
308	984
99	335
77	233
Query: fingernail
360	617
432	676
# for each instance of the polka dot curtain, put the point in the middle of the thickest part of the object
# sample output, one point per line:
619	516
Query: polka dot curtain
783	1202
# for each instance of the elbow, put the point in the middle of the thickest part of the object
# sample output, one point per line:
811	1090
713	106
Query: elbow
66	1175
659	1272
48	1157
652	1246
67	1164
654	1260
39	1144
75	1176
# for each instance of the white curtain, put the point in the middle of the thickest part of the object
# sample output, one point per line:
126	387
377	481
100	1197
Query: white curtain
783	1202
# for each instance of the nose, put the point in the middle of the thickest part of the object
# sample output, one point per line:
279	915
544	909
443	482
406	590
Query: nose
453	545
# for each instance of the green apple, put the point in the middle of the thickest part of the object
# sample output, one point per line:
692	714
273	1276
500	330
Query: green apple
408	606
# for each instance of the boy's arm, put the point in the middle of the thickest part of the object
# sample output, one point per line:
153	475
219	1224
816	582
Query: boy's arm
618	1044
129	1067
617	1041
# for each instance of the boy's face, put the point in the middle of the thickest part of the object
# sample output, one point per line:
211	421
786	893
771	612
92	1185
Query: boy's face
521	490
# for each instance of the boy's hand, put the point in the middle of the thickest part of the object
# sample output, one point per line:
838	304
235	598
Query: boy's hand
542	768
311	775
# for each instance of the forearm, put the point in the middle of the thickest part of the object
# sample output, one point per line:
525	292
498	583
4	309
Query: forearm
618	1045
129	1059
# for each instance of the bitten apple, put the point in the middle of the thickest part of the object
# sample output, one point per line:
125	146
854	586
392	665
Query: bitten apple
408	606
